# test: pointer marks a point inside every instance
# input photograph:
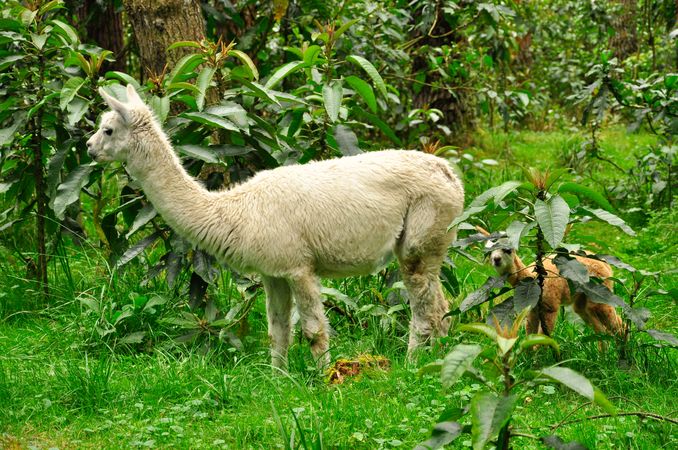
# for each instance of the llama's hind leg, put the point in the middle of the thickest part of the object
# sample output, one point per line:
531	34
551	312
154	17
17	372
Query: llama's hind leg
306	291
427	302
278	310
421	250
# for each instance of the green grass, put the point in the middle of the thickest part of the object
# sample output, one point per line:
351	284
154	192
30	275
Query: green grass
63	386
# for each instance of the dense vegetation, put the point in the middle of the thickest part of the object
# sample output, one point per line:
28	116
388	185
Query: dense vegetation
560	115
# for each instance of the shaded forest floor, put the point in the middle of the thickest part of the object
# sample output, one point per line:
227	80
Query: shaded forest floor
57	390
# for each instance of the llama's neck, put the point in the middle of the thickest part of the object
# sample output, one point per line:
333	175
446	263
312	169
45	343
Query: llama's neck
184	203
519	271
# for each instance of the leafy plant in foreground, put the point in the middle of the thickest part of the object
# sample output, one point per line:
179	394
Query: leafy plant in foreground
492	410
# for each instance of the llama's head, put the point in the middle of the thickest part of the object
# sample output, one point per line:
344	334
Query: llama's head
114	138
501	255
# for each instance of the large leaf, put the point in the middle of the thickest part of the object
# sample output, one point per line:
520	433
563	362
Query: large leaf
211	120
247	61
9	60
231	110
364	90
489	414
663	336
497	193
136	249
69	191
458	361
481	328
371	71
526	295
571	379
572	269
377	122
198	152
468	212
585	192
611	219
346	140
516	230
145	215
443	433
70	90
203	83
183	69
553	217
482	294
282	72
539	339
332	95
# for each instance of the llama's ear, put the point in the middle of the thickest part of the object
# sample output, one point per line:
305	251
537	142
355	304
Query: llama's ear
133	96
115	104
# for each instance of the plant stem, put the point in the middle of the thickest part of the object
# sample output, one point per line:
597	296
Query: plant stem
541	271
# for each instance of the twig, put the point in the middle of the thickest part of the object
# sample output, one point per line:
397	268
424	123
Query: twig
630	413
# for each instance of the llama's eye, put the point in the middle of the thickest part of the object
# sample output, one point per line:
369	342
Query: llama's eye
506	250
108	131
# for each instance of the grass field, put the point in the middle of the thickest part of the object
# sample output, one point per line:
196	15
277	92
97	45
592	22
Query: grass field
60	387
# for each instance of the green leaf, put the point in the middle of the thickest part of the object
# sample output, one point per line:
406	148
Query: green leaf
443	433
126	79
310	54
245	59
136	337
431	368
145	215
259	91
489	414
183	85
365	91
69	191
571	379
183	44
479	328
211	120
458	361
377	122
283	72
332	96
587	193
344	27
482	294
553	217
203	83
497	193
611	219
526	295
539	339
39	40
183	69
371	71
346	140
198	152
76	109
572	269
160	107
8	61
468	212
136	249
70	90
67	31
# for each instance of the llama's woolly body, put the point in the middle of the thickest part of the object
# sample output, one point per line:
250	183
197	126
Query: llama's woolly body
556	291
294	224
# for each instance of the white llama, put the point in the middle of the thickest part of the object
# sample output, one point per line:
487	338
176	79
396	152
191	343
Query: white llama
294	224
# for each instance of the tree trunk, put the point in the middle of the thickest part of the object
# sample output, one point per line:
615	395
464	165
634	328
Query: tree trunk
625	40
159	23
101	22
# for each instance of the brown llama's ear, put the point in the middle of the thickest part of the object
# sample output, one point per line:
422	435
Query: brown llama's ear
482	230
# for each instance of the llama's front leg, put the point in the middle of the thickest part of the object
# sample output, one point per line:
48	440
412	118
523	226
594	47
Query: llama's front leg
427	302
278	310
306	291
